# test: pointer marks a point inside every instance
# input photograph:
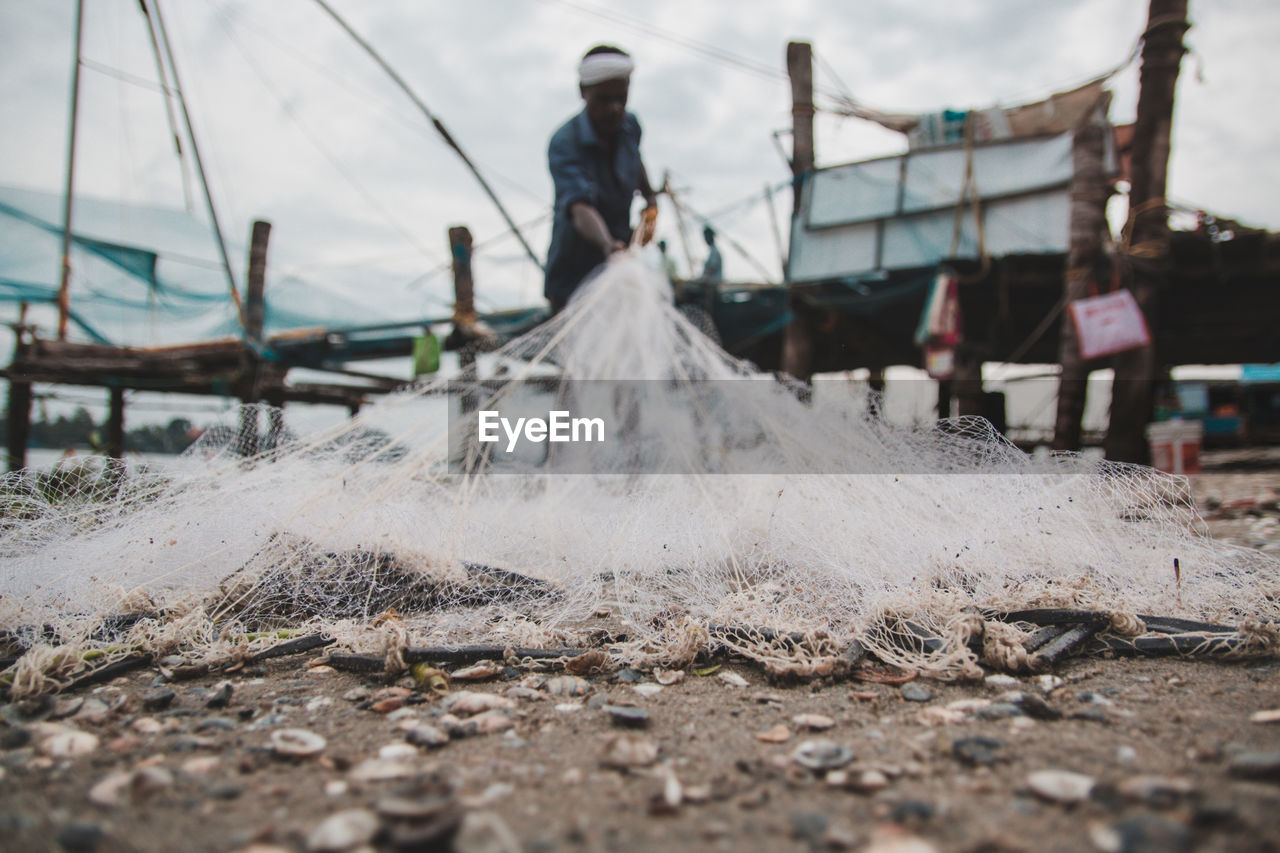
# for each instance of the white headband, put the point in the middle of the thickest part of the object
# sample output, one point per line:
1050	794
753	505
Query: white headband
599	67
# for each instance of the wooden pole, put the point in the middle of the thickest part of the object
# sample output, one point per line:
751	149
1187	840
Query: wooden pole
255	312
19	424
967	383
1088	222
115	424
797	344
154	5
64	286
1147	240
464	305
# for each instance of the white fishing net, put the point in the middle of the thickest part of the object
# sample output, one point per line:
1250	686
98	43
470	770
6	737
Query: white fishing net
722	502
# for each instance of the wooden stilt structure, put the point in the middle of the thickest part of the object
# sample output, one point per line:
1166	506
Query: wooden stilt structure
1088	223
1147	238
797	345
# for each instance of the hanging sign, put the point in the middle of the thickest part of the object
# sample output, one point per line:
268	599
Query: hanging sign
1108	324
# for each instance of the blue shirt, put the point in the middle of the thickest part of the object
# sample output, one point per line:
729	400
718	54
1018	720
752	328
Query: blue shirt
581	171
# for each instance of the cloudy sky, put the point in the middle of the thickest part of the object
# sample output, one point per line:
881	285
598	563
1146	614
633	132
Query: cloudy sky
299	126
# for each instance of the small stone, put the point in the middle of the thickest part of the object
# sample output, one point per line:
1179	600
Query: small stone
395	751
216	724
731	678
1256	765
133	785
668	677
915	692
909	811
426	735
382	769
158	700
821	755
201	765
477	672
1048	683
569	707
1093	714
224	790
648	690
387	705
147	726
221	696
317	703
999	711
809	826
1265	717
1034	706
343	831
627	715
864	781
1000	681
468	703
95	712
81	837
590	662
1141	834
296	743
567	685
977	751
629	676
356	694
777	734
1126	754
813	722
1157	791
1060	786
892	838
667	799
69	744
65	706
623	751
485	832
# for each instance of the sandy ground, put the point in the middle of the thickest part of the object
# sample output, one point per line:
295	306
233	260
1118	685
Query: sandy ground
1138	755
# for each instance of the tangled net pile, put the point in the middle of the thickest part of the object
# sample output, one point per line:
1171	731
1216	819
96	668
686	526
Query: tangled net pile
781	528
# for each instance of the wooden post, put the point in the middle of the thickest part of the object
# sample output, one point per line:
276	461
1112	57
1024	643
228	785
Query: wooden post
115	424
64	286
248	441
967	383
19	423
1133	392
464	293
797	344
255	311
464	306
1088	222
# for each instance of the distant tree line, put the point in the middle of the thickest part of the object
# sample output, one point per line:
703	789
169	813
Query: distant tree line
80	431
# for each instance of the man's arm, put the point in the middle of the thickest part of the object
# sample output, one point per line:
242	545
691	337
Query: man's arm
590	224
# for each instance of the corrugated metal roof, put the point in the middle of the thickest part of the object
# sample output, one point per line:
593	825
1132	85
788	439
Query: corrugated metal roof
900	212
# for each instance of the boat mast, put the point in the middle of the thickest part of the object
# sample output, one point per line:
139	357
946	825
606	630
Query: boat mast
167	91
147	6
64	286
